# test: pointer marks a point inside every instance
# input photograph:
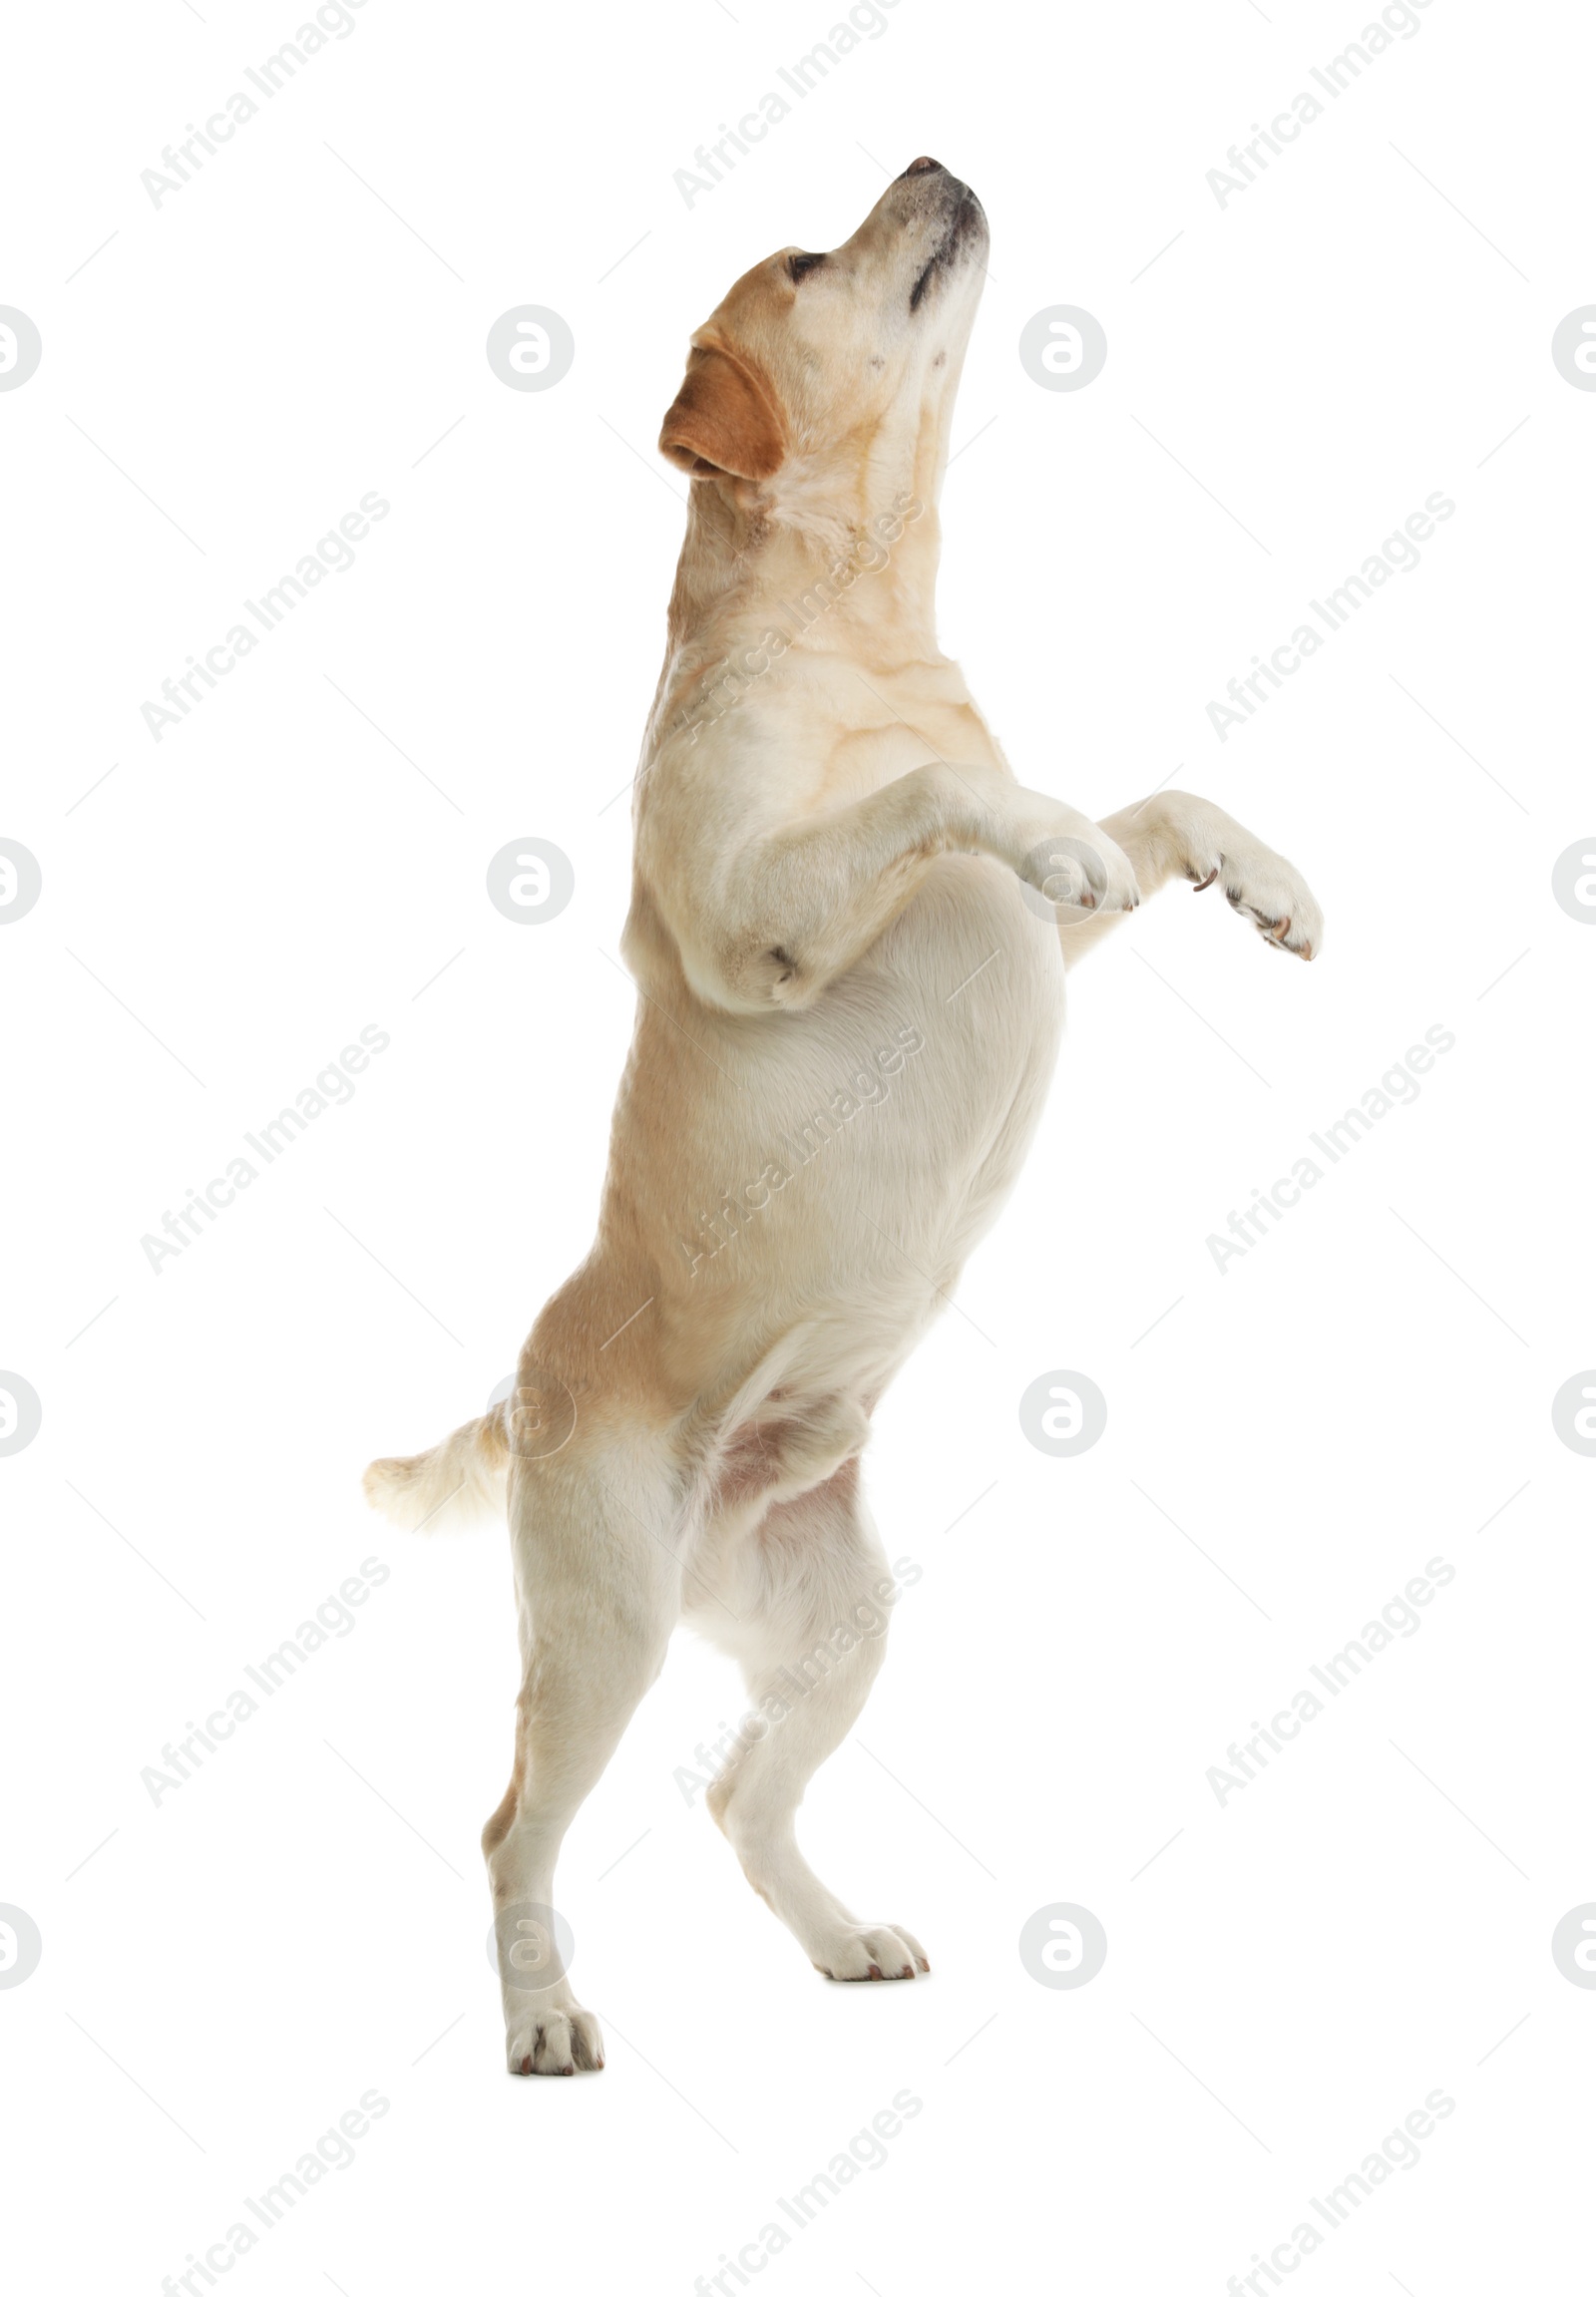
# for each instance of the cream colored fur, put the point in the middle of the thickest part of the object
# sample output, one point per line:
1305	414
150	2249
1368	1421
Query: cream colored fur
850	990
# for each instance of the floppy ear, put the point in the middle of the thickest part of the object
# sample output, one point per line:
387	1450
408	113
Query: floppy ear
723	419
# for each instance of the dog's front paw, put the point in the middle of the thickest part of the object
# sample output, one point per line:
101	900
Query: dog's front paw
1263	887
551	2040
882	1951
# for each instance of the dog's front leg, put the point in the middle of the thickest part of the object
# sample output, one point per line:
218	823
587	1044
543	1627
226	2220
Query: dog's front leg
1172	835
772	919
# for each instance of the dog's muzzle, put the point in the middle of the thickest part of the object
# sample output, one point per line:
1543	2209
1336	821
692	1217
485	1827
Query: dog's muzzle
960	219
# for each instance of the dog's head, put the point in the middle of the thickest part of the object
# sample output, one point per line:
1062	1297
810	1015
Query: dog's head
814	365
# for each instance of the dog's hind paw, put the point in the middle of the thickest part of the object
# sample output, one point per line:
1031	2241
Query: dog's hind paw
879	1952
555	2041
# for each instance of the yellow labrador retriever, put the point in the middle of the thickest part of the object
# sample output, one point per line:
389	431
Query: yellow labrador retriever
849	926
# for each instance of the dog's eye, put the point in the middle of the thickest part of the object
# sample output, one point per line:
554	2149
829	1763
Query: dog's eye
797	266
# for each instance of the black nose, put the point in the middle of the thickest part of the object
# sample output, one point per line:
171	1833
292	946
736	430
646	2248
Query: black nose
922	168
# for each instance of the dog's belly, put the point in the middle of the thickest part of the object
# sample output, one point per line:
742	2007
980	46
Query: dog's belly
810	1186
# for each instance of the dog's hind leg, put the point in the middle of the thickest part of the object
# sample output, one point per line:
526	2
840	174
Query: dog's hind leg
808	1588
598	1592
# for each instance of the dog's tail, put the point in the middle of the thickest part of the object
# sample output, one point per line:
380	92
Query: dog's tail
460	1481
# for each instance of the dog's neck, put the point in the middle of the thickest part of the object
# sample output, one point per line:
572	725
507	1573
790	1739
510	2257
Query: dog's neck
837	554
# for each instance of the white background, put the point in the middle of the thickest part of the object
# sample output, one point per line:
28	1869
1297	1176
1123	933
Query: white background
1364	1924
